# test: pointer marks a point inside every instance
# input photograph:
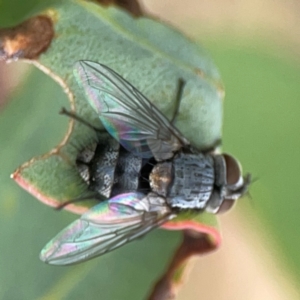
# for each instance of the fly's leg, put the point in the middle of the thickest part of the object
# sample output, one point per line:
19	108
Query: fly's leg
81	120
180	87
80	199
83	160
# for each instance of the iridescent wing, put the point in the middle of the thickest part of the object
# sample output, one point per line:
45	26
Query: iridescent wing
127	114
105	227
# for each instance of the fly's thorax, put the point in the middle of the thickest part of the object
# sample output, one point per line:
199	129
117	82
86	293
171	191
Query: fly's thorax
193	181
161	178
229	184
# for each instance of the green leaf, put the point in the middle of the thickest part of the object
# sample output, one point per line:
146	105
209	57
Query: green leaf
152	57
146	60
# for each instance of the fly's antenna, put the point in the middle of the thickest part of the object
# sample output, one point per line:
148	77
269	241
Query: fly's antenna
249	180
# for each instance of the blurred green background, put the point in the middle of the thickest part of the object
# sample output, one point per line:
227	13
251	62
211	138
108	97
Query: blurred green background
255	45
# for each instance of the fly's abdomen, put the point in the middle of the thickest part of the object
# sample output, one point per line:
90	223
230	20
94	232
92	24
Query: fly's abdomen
102	166
193	181
127	172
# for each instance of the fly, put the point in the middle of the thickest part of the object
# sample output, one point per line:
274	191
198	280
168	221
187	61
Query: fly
181	177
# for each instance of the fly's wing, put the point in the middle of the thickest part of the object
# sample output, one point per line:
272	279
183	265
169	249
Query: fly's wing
127	114
105	227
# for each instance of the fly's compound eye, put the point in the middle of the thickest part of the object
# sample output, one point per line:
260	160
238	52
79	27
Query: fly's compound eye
234	181
233	171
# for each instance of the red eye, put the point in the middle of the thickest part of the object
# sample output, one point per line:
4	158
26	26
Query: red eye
233	170
234	180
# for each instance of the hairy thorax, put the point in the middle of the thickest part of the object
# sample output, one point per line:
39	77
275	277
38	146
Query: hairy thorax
187	181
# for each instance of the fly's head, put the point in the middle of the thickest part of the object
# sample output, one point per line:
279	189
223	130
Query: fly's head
229	184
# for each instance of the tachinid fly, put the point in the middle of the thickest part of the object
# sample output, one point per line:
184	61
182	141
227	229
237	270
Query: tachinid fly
181	177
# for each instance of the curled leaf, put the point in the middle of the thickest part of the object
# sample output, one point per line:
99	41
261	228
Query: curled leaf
155	73
193	243
147	53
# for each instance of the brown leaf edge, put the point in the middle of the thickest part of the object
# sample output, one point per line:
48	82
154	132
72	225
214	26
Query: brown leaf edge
17	177
193	243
